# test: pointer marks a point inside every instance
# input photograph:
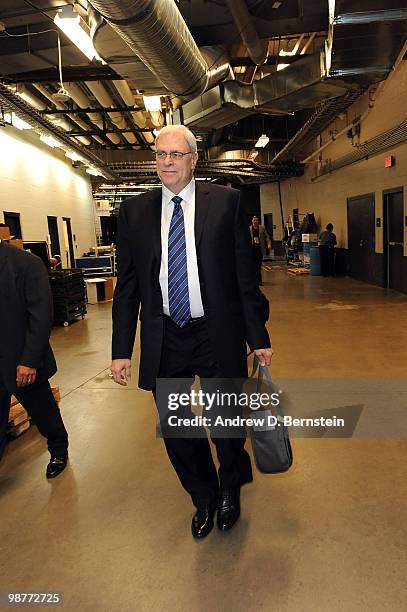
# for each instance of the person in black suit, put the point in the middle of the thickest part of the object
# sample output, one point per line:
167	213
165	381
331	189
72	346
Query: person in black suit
26	358
185	263
260	240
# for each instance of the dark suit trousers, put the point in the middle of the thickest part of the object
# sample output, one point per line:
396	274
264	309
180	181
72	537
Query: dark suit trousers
327	256
187	352
43	409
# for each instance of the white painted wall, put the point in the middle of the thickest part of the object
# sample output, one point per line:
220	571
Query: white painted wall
37	181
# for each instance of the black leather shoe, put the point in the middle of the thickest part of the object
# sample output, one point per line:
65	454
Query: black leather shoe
202	521
56	465
228	508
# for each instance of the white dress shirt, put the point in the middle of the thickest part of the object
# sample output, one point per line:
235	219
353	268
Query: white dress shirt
188	208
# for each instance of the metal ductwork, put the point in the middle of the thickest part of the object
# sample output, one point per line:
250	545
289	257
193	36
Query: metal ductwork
157	33
256	48
299	86
365	39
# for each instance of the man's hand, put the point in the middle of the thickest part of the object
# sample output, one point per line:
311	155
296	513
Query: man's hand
121	370
264	356
25	376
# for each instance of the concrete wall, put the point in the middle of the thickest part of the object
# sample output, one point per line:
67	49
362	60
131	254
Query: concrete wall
327	196
37	181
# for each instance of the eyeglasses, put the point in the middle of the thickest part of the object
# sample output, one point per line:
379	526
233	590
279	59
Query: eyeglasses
172	154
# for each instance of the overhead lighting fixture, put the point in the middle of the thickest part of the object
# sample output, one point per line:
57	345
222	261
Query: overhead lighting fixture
262	141
152	103
74	156
19	123
69	21
276	5
94	172
50	141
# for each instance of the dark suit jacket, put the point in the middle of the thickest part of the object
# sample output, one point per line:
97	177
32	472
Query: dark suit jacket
26	315
230	294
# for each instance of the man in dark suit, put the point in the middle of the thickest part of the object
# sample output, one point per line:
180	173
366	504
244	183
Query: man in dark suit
260	240
26	358
185	258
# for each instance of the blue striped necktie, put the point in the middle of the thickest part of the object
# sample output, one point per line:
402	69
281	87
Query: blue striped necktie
178	296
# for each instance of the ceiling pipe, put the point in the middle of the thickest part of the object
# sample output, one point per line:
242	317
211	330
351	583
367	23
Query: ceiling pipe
373	93
75	118
82	100
256	48
38	104
140	118
157	33
105	99
15	104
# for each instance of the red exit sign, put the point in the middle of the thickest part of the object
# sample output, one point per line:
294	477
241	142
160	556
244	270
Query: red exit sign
389	161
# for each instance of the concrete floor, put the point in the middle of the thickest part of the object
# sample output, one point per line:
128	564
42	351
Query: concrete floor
113	531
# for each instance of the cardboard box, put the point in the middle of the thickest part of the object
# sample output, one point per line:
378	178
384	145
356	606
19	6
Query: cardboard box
310	237
99	289
23	418
4	233
16	411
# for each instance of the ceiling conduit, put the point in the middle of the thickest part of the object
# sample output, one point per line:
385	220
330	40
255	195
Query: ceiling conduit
105	99
82	100
58	120
15	104
157	33
139	117
61	106
256	48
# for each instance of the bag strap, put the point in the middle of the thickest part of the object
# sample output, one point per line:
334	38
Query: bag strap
264	371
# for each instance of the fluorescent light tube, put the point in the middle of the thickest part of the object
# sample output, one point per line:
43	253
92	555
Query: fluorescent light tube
152	103
262	141
19	123
68	21
94	172
50	141
72	155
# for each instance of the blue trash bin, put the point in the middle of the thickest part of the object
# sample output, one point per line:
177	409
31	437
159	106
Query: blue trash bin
315	261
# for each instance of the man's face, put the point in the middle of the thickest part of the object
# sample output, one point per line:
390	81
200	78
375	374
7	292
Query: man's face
175	174
255	221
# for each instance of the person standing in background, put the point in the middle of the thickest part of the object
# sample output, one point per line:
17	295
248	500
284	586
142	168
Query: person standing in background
327	242
260	240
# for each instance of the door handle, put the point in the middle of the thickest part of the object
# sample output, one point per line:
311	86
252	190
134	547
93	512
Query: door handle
361	243
396	243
